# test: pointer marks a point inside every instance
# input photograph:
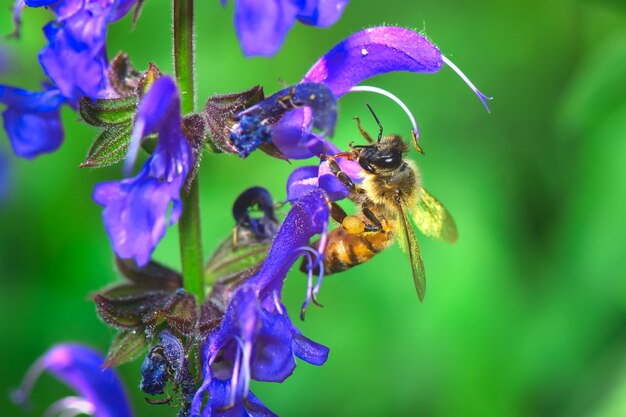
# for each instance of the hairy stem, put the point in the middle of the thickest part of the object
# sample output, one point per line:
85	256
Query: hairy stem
189	223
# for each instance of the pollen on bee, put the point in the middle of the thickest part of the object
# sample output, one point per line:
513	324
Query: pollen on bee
353	225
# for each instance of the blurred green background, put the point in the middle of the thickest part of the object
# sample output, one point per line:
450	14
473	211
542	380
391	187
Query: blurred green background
524	316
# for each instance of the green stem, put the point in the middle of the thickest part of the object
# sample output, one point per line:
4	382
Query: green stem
189	223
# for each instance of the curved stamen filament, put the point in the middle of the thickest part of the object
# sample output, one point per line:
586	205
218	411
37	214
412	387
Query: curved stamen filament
370	89
133	148
234	381
279	308
70	407
20	395
246	374
483	98
309	288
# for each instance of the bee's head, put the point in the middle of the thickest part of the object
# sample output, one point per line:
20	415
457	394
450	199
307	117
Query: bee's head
386	155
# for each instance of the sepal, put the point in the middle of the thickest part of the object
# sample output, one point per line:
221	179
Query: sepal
127	346
250	239
149	301
109	148
220	110
115	116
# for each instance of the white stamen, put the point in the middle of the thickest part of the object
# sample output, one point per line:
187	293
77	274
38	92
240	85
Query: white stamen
480	95
246	374
20	395
70	407
234	380
277	303
364	52
399	102
321	248
133	148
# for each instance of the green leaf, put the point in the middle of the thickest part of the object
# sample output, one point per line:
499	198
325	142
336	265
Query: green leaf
127	346
109	148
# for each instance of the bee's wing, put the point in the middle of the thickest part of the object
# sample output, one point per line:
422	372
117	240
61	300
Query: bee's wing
408	244
433	220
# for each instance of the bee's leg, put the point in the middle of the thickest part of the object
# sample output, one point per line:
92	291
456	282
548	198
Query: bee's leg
376	226
337	213
352	224
366	135
341	176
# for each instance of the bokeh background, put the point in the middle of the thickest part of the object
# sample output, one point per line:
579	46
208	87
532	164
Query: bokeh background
524	316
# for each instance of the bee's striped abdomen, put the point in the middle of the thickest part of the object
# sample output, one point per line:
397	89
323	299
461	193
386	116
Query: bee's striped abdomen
346	250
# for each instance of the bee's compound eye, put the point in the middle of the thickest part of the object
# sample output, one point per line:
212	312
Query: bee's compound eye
388	160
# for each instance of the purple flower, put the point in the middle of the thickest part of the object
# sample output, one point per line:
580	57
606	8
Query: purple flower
256	338
253	127
4	176
32	120
100	391
75	61
365	54
362	55
262	25
136	209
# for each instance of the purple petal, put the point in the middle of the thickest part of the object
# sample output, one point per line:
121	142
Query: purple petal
302	181
136	209
39	3
32	120
159	112
81	368
262	25
219	400
363	55
309	351
372	52
67	8
75	57
274	357
322	13
307	217
122	7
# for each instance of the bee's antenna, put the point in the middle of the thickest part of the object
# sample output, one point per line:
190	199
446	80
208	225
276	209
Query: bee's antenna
380	131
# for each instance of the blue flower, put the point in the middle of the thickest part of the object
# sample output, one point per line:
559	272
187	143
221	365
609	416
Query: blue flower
365	54
100	390
362	55
253	127
136	209
263	25
32	120
256	338
75	61
4	177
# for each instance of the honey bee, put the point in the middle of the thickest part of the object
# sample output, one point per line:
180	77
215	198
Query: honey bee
391	190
